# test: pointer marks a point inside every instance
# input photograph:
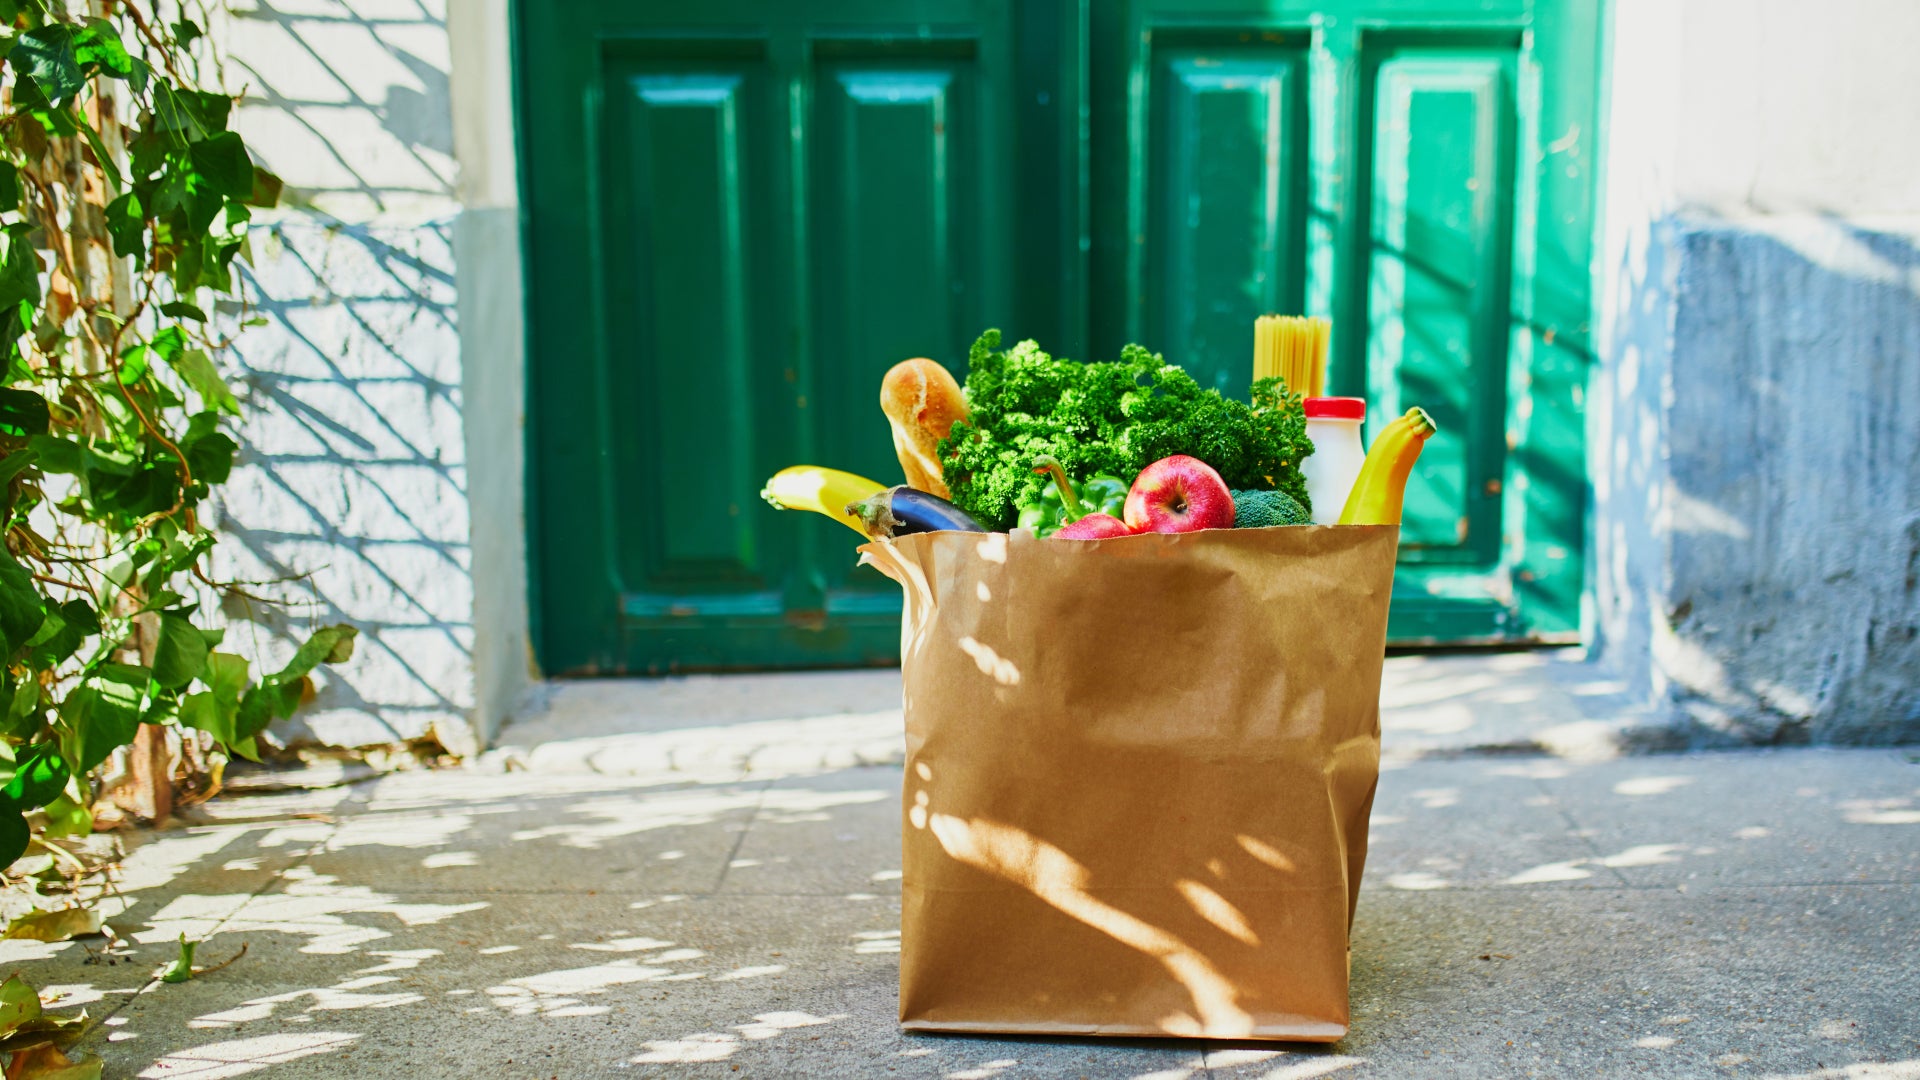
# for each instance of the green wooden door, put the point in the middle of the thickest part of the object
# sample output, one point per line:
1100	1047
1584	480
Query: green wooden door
1420	171
739	214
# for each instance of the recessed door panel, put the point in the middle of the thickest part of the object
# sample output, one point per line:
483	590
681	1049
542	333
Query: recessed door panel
679	184
1437	286
897	225
1228	153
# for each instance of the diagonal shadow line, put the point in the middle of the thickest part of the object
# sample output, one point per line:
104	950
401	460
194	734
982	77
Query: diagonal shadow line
280	308
353	96
264	11
441	228
327	533
445	627
274	101
313	419
385	253
342	379
426	305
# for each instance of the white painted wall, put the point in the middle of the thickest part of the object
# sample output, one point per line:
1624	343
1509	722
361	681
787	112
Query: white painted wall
1756	415
1794	105
354	463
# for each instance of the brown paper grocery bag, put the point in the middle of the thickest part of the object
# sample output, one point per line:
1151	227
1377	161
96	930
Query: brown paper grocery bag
1138	776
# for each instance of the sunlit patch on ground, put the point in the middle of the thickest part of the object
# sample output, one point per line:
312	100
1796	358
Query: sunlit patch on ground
720	1045
594	923
238	1057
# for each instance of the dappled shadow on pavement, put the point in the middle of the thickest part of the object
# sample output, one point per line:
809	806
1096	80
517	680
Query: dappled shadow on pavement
1520	914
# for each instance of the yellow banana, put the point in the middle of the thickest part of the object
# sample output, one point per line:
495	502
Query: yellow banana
823	491
1382	484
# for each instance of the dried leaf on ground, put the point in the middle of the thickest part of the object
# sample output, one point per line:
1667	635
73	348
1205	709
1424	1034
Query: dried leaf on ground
19	1004
37	925
45	1061
58	1029
22	1021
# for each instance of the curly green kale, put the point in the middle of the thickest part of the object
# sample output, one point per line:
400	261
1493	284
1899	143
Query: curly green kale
1115	417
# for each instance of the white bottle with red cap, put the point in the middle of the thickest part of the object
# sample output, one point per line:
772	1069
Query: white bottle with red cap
1333	423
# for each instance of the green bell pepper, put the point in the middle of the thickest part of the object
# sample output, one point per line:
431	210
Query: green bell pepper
1064	502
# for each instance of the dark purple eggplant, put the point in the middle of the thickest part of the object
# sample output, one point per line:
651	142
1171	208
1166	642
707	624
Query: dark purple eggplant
903	511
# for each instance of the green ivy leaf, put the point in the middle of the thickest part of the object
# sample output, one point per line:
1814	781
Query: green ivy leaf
216	710
67	627
134	365
222	162
98	45
180	309
210	457
19	1002
179	653
9	186
279	694
46	55
22	412
68	817
20	269
186	32
15	463
21	608
170	343
328	645
127	224
39	773
102	156
196	367
196	113
104	712
55	454
14	835
226	677
23	710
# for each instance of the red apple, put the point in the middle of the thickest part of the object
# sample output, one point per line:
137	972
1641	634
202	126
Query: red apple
1179	494
1093	527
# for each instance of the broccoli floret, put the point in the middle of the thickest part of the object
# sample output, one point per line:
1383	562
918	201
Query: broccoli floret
1260	509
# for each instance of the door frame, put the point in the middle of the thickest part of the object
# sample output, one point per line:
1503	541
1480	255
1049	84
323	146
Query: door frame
498	328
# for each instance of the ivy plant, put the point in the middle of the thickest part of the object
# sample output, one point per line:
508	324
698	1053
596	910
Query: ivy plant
125	199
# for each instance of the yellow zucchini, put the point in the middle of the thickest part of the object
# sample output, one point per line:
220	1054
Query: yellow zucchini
1382	484
821	490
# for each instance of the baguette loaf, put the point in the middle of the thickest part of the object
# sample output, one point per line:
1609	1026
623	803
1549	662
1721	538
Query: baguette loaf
922	402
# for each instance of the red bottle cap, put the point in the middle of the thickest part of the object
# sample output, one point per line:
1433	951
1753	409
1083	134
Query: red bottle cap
1337	408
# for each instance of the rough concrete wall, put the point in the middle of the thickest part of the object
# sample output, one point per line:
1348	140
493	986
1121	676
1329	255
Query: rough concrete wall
1755	435
353	466
1795	467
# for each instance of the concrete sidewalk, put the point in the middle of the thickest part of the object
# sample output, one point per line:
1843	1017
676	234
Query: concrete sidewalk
1752	914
